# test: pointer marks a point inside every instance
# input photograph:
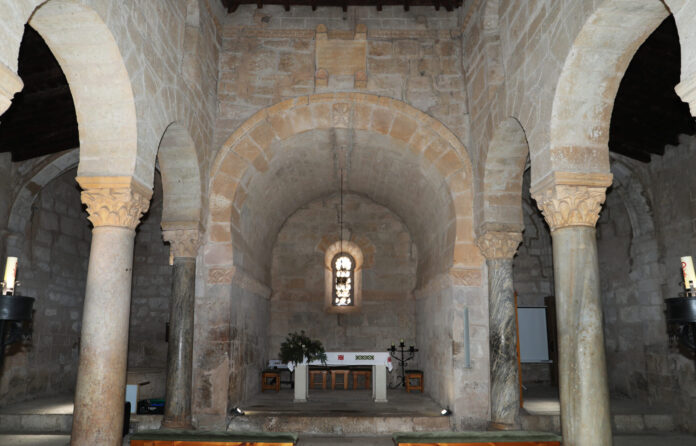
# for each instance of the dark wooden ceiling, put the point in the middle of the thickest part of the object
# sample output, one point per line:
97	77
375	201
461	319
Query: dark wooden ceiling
41	119
449	5
648	114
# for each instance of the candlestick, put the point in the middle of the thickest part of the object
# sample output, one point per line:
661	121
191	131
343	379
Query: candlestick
688	271
10	275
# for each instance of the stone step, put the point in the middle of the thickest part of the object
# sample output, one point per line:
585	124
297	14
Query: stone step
621	423
36	423
62	423
339	425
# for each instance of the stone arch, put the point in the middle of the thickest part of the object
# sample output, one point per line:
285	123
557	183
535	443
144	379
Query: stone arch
495	71
20	212
587	86
190	66
635	198
181	182
390	139
506	158
90	58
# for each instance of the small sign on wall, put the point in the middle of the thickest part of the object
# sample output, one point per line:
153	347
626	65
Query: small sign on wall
534	344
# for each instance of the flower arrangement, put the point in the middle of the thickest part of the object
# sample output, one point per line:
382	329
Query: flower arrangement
297	347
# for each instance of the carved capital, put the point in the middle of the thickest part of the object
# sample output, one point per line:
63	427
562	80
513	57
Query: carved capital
571	199
182	242
114	201
498	244
10	83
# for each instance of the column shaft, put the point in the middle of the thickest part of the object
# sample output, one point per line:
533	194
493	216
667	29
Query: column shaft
505	391
101	375
585	416
177	409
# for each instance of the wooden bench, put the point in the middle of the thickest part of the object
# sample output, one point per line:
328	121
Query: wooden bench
165	437
494	438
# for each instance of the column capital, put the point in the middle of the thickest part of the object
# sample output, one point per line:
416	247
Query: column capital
114	201
571	199
10	83
182	242
499	244
686	90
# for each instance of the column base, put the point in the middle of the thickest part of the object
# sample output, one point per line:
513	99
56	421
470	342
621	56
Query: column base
497	426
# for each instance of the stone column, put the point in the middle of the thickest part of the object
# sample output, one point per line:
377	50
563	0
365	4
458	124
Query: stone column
571	204
499	248
184	247
115	206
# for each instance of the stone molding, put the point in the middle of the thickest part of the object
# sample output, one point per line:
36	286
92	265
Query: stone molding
233	275
309	34
571	199
114	201
10	84
499	245
463	277
182	242
686	90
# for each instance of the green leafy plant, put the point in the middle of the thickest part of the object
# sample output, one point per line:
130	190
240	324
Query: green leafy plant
297	347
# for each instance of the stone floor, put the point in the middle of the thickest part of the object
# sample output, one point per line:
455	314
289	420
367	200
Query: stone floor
343	403
325	402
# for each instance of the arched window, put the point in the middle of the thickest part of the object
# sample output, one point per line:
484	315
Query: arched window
343	263
343	267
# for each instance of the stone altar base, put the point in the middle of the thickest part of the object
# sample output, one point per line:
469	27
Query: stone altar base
340	412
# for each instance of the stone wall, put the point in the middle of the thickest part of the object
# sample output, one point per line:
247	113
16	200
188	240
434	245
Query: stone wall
269	56
151	292
669	183
52	268
387	312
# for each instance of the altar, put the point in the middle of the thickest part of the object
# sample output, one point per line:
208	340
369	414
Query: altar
379	361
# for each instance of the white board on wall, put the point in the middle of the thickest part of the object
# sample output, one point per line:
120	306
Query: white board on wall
534	344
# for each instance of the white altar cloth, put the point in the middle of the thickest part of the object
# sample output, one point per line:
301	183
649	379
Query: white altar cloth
353	359
380	362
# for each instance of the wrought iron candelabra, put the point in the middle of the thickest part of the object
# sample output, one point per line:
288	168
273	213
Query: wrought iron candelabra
401	351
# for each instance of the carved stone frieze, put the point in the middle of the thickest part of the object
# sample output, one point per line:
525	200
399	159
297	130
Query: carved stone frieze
182	242
499	244
114	201
571	199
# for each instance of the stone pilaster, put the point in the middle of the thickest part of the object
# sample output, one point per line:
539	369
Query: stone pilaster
115	205
184	245
571	204
10	84
499	248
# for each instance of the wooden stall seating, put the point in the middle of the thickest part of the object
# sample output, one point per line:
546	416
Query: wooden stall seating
270	380
492	438
343	373
314	373
166	437
365	372
414	375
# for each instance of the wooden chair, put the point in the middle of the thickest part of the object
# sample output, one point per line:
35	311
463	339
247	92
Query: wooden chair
365	373
343	373
270	380
314	373
414	375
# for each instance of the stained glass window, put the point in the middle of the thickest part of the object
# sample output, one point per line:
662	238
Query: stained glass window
343	266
